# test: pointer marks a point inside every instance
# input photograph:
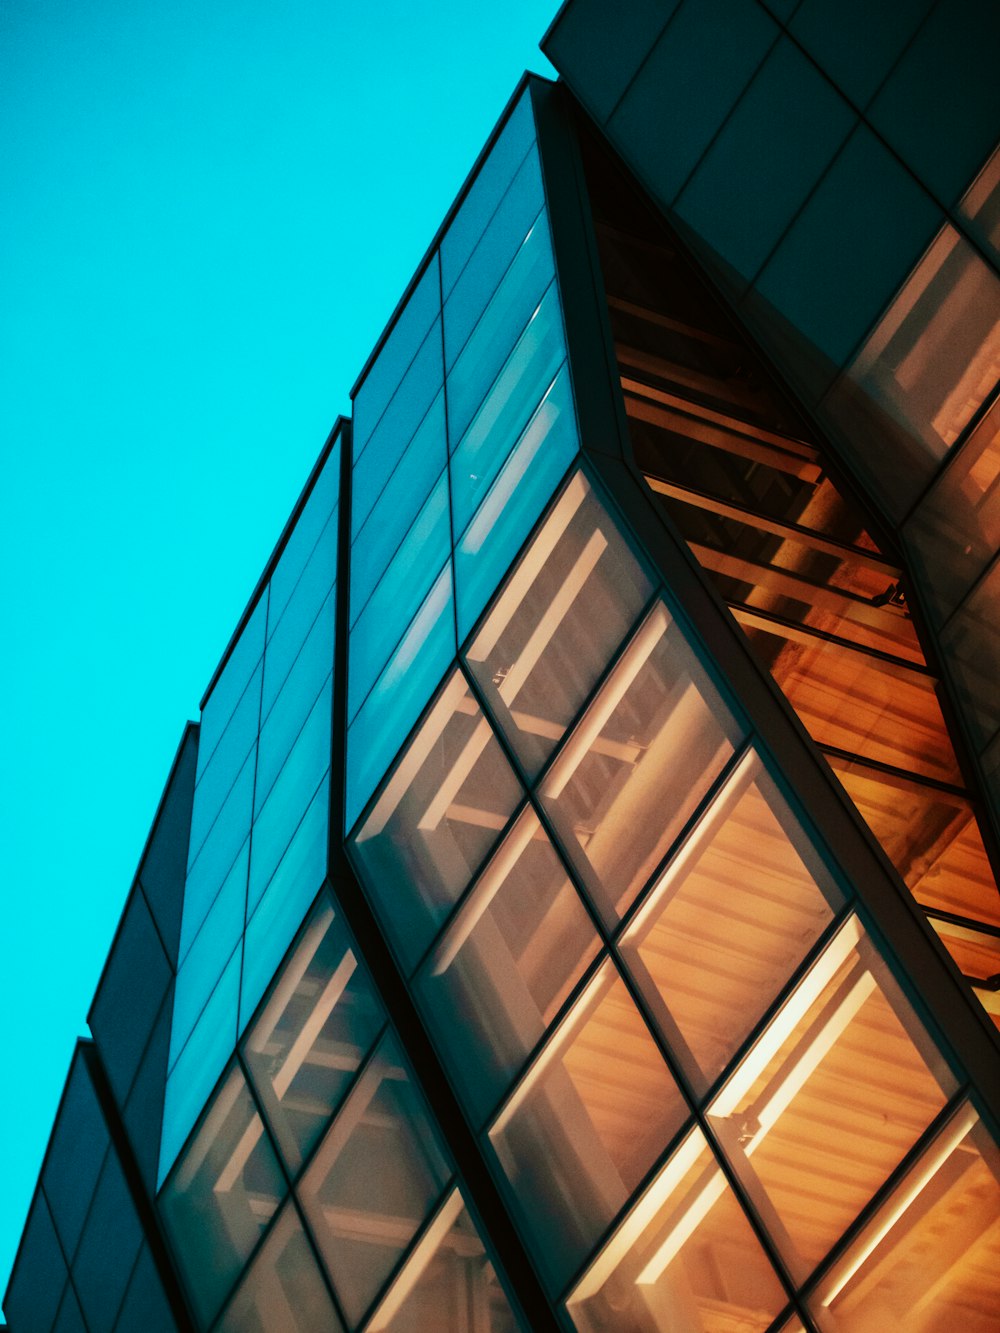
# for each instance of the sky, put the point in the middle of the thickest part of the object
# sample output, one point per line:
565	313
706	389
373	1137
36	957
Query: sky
207	215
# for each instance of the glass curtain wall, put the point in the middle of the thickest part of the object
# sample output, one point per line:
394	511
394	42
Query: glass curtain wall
463	427
824	608
316	1193
259	822
651	988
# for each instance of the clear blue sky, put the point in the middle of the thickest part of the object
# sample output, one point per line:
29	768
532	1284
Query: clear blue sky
207	213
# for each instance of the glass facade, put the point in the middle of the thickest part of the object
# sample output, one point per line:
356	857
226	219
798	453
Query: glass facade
583	907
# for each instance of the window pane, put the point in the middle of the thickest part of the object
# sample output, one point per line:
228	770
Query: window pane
221	1196
585	1125
981	205
218	852
447	1283
451	795
285	901
284	1288
312	544
375	1178
290	796
728	922
928	1259
683	1261
496	427
572	599
846	1024
524	486
308	601
317	1026
494	251
644	754
499	327
226	691
516	948
935	354
852	701
400	694
217	779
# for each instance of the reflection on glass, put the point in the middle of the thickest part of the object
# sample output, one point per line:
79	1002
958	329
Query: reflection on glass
685	1259
641	758
935	354
221	1196
450	796
729	920
585	1124
516	948
971	640
930	835
955	531
561	615
375	1178
810	1157
851	701
446	1283
930	1258
283	1290
318	1024
981	205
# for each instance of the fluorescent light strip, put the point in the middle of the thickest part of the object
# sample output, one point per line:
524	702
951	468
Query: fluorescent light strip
783	1024
297	967
922	1174
313	1025
456	776
416	1265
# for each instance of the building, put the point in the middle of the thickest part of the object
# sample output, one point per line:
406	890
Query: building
575	907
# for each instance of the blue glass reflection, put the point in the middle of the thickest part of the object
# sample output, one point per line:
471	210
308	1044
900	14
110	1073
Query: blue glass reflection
398	505
395	601
400	694
505	317
316	581
204	879
527	374
515	501
217	780
313	526
285	902
226	692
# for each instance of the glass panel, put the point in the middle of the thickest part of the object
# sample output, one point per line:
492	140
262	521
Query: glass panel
293	789
318	1024
226	692
570	602
728	922
221	1196
485	192
517	946
200	1062
403	416
971	640
585	1124
930	1258
930	836
374	1179
519	388
851	701
207	956
398	505
446	1283
935	354
641	758
312	542
520	493
307	677
309	600
218	778
451	794
285	901
975	952
283	1289
405	583
218	852
685	1260
499	328
955	533
846	1025
494	251
981	205
398	350
401	692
